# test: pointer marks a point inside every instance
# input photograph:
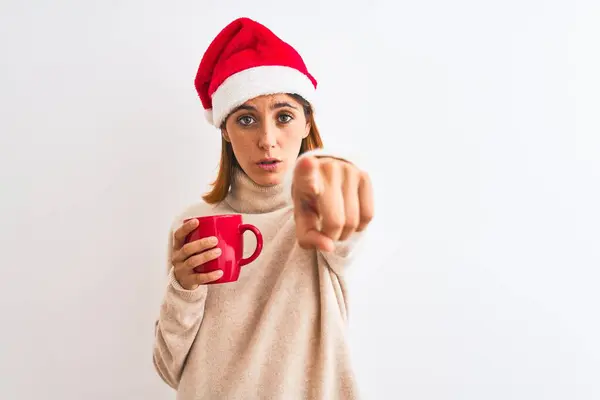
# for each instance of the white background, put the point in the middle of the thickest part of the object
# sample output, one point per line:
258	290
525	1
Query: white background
477	120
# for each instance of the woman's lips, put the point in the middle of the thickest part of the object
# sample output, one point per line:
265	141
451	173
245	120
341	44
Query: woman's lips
270	164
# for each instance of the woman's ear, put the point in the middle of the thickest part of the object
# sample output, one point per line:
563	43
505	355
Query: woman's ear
225	134
306	130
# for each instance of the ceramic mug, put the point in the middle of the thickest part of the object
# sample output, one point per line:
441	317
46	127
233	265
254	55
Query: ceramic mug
229	230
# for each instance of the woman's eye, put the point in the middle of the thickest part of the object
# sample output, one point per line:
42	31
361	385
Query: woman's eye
285	118
245	120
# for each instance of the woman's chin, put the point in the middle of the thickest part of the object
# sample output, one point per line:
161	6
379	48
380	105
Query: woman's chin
268	180
267	177
264	178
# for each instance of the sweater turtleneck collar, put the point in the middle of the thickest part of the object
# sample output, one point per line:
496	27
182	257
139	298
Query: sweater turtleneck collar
247	197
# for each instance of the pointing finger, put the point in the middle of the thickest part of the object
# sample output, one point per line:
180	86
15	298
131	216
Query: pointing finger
307	181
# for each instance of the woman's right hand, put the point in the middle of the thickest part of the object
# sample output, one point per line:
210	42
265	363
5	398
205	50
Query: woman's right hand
187	256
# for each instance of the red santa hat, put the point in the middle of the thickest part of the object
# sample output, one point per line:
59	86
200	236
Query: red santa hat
246	60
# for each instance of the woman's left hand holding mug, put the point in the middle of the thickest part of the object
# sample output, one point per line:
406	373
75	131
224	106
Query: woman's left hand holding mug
187	256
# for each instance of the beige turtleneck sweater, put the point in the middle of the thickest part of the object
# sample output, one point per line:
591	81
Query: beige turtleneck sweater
277	333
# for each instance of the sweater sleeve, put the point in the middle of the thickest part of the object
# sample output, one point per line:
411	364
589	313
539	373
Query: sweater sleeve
343	255
178	322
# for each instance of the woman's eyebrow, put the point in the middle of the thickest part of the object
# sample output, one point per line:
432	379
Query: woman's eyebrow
244	107
273	107
282	105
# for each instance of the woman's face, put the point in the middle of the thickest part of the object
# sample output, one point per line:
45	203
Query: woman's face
265	134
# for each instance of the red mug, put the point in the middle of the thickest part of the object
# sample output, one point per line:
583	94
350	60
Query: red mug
229	229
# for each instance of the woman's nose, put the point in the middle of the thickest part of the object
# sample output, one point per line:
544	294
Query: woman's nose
268	137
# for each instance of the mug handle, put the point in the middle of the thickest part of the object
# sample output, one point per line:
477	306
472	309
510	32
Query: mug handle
259	243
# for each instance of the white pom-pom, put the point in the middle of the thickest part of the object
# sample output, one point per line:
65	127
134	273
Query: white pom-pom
208	114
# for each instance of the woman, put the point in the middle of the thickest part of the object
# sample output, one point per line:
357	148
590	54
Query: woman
279	331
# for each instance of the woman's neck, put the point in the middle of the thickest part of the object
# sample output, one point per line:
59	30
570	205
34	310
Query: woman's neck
247	197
